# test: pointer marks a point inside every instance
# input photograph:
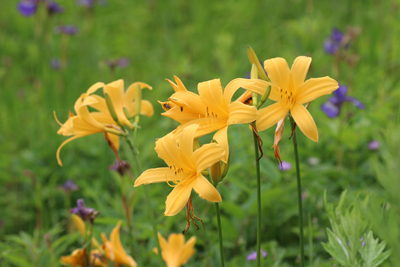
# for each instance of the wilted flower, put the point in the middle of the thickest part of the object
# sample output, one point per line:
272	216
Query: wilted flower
114	249
27	8
285	166
334	104
184	171
121	63
69	186
67	29
176	252
334	42
82	211
373	145
253	256
53	7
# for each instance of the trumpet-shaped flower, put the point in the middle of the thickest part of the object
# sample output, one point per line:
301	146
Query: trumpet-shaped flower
77	258
86	123
184	169
212	109
176	252
114	250
291	92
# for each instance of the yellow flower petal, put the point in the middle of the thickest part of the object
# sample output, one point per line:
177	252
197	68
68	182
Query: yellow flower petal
207	155
206	190
156	175
116	92
175	252
299	69
146	108
212	96
101	105
188	250
115	140
163	242
189	102
131	92
270	115
278	71
186	142
119	253
275	95
305	122
240	113
314	88
178	198
222	139
178	86
94	88
257	86
168	150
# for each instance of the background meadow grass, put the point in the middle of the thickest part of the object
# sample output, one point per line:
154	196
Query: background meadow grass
196	41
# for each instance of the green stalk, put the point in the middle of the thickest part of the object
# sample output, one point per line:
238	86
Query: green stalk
135	153
221	244
89	246
299	200
258	199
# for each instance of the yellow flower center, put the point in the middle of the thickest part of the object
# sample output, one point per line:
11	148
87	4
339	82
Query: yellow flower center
176	177
288	98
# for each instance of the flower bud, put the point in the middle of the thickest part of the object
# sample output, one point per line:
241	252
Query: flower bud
254	60
111	108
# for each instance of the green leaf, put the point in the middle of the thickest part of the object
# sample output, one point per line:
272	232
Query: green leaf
371	253
337	248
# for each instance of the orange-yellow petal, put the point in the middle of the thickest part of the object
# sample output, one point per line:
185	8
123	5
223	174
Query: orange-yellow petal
207	155
299	69
278	71
270	115
275	95
186	143
222	139
94	88
120	255
314	88
61	146
168	150
212	97
156	175
206	190
305	121
131	92
178	198
254	85
240	113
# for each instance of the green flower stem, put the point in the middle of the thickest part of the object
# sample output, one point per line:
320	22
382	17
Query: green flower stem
89	246
147	197
299	200
221	244
258	199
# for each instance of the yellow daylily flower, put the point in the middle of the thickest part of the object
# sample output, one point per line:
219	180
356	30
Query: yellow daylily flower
213	110
86	123
184	171
121	99
176	252
291	92
114	250
77	258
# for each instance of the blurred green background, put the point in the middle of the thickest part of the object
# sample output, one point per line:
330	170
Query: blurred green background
196	41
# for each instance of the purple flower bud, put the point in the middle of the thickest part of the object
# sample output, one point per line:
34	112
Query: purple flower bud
253	256
120	166
285	166
53	8
67	29
27	8
373	145
83	211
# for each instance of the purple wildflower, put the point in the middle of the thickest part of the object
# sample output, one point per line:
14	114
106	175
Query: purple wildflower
55	63
120	166
334	104
285	166
67	29
86	3
253	256
69	186
123	62
373	145
82	211
334	42
27	8
53	8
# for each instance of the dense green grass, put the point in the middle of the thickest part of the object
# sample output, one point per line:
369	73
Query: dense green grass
196	41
